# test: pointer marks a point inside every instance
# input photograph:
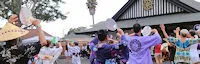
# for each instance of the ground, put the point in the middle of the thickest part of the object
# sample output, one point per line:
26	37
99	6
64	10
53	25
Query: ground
63	61
86	61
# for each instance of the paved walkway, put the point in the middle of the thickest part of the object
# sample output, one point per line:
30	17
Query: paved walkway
64	61
85	61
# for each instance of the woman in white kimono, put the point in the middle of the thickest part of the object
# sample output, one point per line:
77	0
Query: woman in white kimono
75	50
48	54
68	55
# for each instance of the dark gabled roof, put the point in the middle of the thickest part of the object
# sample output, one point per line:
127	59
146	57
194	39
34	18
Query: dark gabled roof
192	3
73	35
95	27
187	5
78	37
123	9
184	6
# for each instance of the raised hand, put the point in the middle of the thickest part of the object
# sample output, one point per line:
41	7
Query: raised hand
13	19
154	31
35	22
162	26
177	29
120	31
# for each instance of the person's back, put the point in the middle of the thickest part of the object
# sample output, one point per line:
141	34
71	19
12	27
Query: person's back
75	54
139	48
139	45
158	54
103	53
46	51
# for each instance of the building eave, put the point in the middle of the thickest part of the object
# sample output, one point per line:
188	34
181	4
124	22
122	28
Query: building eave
165	19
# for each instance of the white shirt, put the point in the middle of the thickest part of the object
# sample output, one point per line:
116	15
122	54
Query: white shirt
67	53
194	52
54	52
76	50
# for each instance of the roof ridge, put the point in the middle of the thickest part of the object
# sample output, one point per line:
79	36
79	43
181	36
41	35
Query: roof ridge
123	9
184	6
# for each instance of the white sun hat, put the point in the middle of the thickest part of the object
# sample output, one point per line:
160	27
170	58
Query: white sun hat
146	31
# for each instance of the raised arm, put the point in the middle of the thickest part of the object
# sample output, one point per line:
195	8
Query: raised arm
167	41
120	32
152	40
123	36
57	52
40	32
177	32
162	26
13	19
68	45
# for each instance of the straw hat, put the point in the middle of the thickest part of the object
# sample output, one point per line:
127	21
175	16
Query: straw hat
10	32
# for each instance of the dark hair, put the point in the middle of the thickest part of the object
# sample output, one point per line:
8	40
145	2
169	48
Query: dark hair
192	32
13	42
102	34
111	42
66	47
136	28
76	43
48	43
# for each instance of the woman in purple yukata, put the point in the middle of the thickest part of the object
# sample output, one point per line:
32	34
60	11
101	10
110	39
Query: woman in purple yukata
123	52
104	52
92	46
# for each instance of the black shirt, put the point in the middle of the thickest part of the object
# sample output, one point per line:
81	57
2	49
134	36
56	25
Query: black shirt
19	54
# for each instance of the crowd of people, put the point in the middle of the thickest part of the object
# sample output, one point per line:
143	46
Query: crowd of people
180	47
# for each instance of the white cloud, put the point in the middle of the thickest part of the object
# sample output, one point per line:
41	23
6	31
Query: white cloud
197	0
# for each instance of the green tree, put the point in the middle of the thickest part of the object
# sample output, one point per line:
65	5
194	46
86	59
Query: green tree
45	10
